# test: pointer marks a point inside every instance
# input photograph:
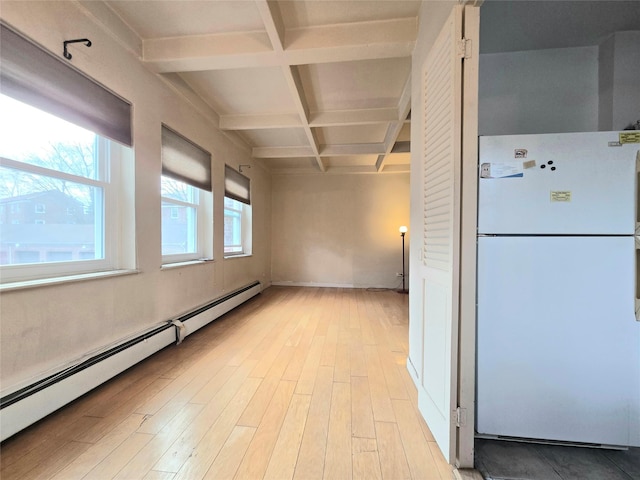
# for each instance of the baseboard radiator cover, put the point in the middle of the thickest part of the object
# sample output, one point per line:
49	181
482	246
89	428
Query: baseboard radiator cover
29	404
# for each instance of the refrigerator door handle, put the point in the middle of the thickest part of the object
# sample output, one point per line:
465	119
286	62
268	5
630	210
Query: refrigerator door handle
637	220
637	272
637	206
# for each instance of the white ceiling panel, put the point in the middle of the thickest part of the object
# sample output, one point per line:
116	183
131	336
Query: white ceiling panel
297	14
175	18
349	134
305	164
398	159
352	160
355	85
243	91
273	137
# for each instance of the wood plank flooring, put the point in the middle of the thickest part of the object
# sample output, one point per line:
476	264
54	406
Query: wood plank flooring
297	383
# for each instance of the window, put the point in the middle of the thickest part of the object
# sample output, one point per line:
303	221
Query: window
58	158
180	203
186	200
232	226
56	169
237	213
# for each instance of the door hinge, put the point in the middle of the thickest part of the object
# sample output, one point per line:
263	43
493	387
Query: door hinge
461	417
464	48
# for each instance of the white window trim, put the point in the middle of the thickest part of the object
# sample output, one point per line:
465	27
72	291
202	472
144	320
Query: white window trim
83	277
246	231
241	244
118	245
204	230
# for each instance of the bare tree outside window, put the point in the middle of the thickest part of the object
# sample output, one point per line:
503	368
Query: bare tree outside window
51	187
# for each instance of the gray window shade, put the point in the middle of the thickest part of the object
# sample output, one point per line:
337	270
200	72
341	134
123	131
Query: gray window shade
236	185
34	76
185	161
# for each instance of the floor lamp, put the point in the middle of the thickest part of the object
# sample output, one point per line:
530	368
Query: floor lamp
403	230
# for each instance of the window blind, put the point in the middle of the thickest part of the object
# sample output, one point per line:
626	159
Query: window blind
185	161
34	76
236	185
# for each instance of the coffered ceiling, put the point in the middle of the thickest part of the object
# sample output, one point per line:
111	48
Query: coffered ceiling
324	85
318	86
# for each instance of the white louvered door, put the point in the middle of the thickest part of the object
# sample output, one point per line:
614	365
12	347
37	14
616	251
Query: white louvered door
439	264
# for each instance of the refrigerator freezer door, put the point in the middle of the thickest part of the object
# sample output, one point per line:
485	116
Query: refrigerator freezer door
558	343
572	183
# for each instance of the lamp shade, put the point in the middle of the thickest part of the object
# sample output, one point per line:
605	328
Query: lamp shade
403	229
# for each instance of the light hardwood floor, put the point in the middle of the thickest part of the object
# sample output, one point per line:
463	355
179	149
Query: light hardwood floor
297	383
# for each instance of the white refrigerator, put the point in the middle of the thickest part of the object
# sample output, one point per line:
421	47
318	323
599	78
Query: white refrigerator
558	341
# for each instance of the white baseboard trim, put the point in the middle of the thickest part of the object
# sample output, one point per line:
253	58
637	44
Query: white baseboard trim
29	404
326	285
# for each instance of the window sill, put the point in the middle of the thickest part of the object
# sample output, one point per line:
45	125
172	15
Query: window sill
45	282
169	266
239	255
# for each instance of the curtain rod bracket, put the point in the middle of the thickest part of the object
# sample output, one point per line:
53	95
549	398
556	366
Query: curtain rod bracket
66	53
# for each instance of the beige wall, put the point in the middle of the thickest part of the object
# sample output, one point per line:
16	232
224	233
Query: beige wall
331	230
43	328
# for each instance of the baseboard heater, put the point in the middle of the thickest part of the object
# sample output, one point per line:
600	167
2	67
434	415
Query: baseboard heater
29	404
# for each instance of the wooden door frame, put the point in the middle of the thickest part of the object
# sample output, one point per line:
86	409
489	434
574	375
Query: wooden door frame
467	276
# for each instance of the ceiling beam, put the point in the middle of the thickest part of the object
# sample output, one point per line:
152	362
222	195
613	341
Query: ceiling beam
334	118
294	82
324	44
353	117
272	19
282	152
404	168
325	150
351	41
209	52
359	169
393	131
273	23
352	149
260	122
